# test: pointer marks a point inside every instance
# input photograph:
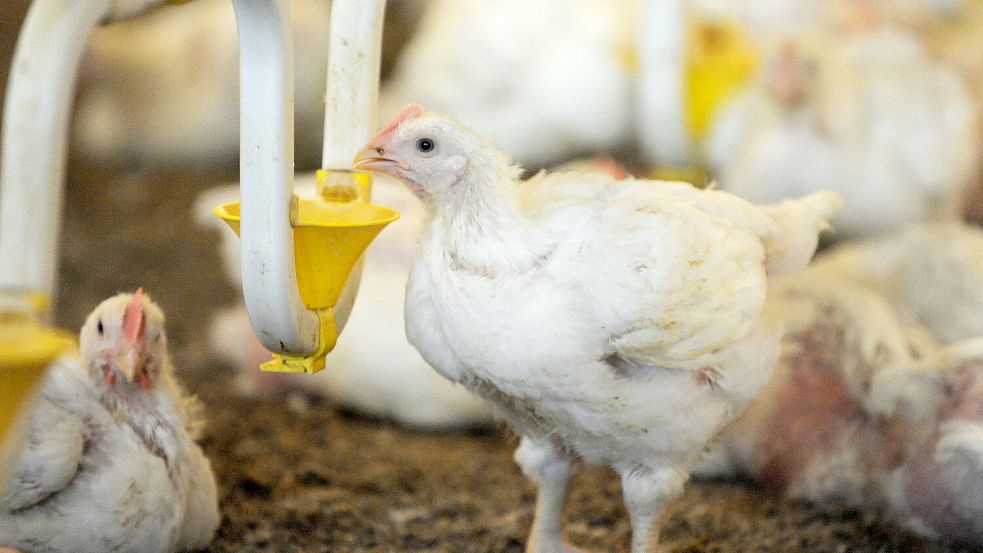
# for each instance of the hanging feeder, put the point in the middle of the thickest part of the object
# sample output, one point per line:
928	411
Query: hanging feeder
300	257
689	67
296	310
331	231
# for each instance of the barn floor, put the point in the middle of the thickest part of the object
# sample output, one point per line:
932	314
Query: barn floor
298	476
302	476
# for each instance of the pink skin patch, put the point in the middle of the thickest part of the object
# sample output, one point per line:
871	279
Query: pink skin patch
610	167
133	324
411	111
143	380
109	376
786	80
812	410
964	393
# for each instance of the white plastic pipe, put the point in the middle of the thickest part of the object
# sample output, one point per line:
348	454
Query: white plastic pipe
36	115
355	51
266	170
37	112
354	56
662	131
35	127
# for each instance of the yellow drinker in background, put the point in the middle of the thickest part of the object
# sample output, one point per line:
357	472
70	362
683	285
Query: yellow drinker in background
26	350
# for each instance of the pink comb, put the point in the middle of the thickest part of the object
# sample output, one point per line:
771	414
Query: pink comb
411	111
133	318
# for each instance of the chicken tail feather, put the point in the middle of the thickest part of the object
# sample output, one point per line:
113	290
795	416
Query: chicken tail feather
800	221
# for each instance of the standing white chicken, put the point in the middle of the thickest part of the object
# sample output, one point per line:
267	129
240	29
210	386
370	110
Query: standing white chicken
108	462
591	312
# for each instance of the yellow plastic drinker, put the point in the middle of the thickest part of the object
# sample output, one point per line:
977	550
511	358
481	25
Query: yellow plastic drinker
331	232
720	59
26	350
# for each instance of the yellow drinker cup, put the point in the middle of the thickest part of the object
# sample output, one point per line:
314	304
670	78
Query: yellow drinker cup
331	232
26	350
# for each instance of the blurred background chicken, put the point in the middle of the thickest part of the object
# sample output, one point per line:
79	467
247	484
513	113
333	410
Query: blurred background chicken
557	87
163	89
957	38
869	115
846	92
931	273
877	401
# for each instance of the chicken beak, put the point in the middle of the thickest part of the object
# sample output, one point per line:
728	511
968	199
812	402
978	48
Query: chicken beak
129	362
370	158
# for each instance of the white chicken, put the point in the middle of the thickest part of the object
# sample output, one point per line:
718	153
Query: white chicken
868	114
866	409
591	312
931	273
163	89
958	40
545	81
108	462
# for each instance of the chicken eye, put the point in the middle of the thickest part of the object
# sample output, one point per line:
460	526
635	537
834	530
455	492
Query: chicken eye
99	327
425	145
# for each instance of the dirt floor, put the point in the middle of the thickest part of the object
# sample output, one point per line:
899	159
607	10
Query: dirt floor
306	477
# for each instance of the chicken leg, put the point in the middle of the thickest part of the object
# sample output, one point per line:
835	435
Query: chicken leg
647	491
551	470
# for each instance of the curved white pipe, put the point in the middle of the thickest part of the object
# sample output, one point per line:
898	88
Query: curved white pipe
266	167
33	147
354	55
35	127
36	115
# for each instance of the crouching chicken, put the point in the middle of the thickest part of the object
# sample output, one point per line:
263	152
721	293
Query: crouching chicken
877	400
108	461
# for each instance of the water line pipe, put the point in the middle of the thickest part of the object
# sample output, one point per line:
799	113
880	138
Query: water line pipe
269	279
34	139
351	102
